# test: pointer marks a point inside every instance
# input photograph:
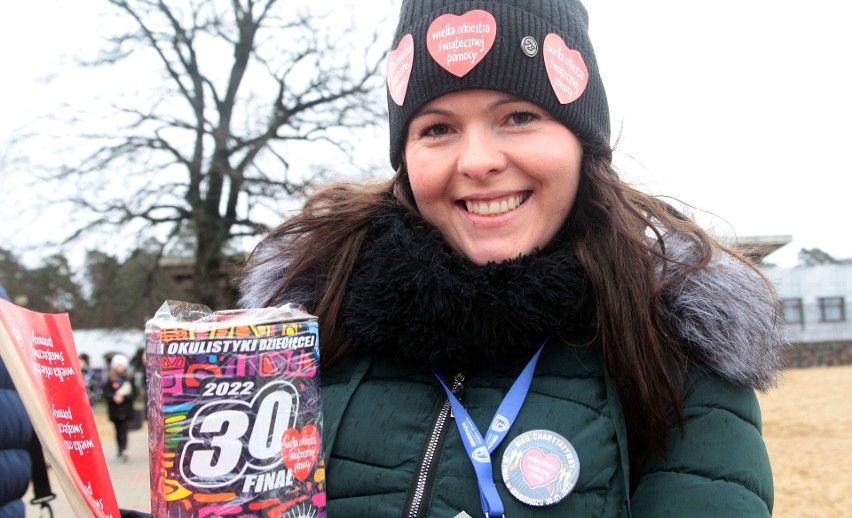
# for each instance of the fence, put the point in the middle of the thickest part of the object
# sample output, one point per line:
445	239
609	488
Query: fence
819	354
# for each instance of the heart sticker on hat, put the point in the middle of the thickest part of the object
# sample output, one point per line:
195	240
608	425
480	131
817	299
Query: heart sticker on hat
565	68
399	69
458	43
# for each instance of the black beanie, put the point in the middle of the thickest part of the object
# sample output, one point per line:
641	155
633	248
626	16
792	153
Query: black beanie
528	48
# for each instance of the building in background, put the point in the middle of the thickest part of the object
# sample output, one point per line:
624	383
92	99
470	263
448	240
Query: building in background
757	248
815	298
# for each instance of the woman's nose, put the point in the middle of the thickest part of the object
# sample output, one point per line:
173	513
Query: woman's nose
481	154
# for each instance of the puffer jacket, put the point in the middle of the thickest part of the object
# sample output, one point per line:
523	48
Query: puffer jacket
120	411
15	436
381	412
379	416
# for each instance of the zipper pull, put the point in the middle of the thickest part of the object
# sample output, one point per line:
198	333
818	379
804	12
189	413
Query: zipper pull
458	390
457	384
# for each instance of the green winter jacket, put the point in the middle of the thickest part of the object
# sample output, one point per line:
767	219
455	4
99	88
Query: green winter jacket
409	305
378	415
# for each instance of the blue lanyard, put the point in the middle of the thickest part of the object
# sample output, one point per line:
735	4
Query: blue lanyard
478	449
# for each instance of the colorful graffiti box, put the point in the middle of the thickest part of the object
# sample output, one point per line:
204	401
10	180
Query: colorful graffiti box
235	422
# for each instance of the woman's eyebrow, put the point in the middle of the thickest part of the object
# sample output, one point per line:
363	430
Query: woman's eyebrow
509	99
431	111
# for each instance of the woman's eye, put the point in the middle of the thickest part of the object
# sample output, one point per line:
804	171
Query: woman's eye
436	130
522	117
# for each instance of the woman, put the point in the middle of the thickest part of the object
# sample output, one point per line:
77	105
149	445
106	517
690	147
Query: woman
120	392
506	248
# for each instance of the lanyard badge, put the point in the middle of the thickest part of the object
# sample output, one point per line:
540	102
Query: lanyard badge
539	467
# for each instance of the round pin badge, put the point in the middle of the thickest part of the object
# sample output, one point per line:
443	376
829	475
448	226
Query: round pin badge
540	467
529	46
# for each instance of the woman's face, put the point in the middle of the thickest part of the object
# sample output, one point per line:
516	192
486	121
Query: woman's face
495	174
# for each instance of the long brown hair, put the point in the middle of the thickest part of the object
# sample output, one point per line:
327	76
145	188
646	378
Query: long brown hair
324	241
618	236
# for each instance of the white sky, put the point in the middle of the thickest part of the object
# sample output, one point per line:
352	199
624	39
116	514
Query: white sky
740	108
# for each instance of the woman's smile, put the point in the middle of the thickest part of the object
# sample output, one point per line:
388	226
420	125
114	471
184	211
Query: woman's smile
495	207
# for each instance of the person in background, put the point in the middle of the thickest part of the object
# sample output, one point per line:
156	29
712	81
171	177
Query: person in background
120	393
85	363
507	326
16	433
20	449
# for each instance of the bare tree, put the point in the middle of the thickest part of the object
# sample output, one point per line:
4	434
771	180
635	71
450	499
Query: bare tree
241	95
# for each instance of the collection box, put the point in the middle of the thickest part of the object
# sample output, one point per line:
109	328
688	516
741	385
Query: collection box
235	421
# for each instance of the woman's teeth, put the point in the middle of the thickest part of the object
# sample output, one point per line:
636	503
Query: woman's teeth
495	207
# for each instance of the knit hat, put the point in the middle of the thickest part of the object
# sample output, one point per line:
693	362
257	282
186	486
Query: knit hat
119	360
538	50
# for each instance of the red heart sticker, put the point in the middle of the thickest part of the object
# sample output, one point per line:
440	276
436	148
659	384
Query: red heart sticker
458	43
539	468
399	69
565	68
300	450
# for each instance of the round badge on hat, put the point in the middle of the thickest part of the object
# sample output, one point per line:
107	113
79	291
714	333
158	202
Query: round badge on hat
540	467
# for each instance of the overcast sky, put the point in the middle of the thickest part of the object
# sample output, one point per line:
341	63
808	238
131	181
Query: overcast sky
740	108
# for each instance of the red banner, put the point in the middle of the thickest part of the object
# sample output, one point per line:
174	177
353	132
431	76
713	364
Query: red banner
39	351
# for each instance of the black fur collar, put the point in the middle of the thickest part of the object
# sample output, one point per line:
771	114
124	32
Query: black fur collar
412	298
409	286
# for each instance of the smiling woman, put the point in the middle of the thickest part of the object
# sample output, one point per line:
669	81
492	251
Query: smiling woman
506	237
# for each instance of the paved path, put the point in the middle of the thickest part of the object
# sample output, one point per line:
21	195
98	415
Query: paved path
130	479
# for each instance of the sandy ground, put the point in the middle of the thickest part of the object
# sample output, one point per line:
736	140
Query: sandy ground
807	425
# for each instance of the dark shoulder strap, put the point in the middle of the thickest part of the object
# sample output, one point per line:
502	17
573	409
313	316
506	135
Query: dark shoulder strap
42	494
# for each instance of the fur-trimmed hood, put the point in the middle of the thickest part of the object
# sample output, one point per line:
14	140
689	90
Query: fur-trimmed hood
726	314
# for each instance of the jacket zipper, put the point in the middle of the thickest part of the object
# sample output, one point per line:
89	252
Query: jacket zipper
424	475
